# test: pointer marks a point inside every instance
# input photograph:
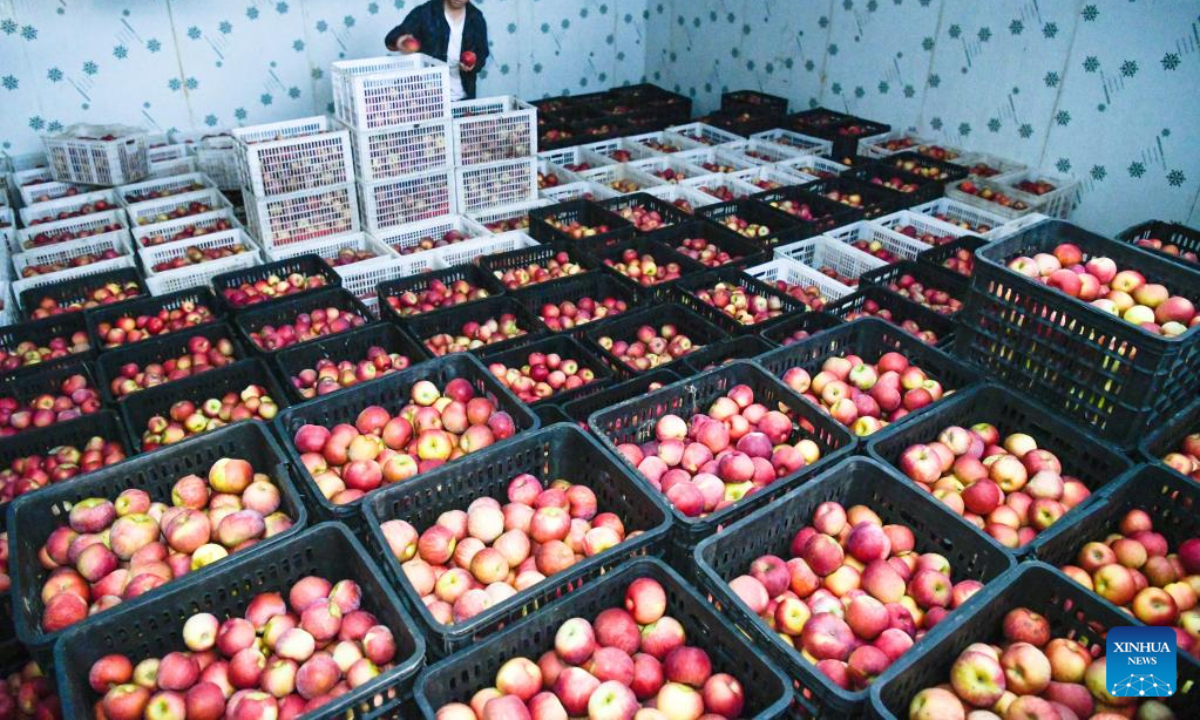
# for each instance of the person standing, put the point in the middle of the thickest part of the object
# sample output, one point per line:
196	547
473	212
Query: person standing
453	31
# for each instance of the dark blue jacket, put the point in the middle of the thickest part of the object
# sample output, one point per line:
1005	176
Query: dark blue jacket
427	23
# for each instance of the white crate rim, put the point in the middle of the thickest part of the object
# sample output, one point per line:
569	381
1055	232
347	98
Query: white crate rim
771	270
193	177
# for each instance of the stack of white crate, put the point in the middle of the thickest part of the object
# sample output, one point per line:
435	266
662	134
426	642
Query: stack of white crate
214	153
495	148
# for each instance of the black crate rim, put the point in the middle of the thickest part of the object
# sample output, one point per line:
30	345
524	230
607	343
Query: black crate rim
561	343
252	319
202	296
73	287
424	327
108	365
470	272
309	264
630	320
686	292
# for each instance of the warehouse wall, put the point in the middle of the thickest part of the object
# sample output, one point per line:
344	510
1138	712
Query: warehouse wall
193	63
1105	89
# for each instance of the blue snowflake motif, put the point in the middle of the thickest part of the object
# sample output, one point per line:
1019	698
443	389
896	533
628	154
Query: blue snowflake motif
927	44
1051	79
266	99
884	87
1062	117
294	92
193	33
833	49
1063	165
120	52
955	30
1098	173
54	75
54	126
1050	30
10	82
909	91
985	34
1129	68
1091	64
317	73
935	80
8	26
322	26
923	3
252	13
348	21
1137	170
174	84
823	22
859	92
1016	27
847	5
993	125
240	114
872	6
210	120
1170	61
191	83
836	88
90	68
936	123
225	27
36	123
809	65
1175	178
1025	131
281	8
298	45
153	45
373	8
29	32
1090	13
964	129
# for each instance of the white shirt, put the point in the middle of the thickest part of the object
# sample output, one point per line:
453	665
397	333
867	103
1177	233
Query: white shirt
453	53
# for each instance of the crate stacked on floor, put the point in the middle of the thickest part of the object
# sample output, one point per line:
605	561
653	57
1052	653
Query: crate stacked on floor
215	154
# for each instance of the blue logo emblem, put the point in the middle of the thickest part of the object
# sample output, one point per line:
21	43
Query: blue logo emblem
1141	661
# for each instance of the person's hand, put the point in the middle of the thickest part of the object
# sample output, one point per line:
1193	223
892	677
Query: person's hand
408	44
467	61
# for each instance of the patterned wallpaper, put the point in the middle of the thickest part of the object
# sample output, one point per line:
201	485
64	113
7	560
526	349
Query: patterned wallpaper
1103	89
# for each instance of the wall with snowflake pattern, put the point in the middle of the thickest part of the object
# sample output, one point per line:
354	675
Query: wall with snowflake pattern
1103	89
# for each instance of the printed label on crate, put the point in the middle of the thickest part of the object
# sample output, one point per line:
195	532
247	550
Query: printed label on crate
1141	661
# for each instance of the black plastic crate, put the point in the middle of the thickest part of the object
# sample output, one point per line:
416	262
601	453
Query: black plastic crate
1186	239
423	327
585	212
755	101
827	214
624	327
581	408
686	294
307	265
251	320
1072	611
900	310
327	550
148	305
352	345
457	678
844	130
597	285
925	189
743	251
911	161
853	481
473	274
392	393
954	285
810	322
783	228
662	256
560	451
549	414
48	380
137	409
746	347
33	517
536	254
937	256
566	347
744	121
1168	434
73	290
876	201
633	421
563	135
108	365
42	332
671	215
1096	368
1085	457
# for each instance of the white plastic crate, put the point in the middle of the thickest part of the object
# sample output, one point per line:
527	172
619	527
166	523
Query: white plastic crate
216	156
489	130
508	217
618	150
964	217
46	191
1003	166
71	206
901	246
1034	203
32	176
722	188
8	306
763	152
293	155
66	252
204	223
407	199
630	178
361	278
405	150
79	154
175	207
796	273
21	285
824	251
293	218
328	248
576	159
488	186
798	142
705	134
469	252
813	166
874	146
8	229
405	238
1057	203
678	195
574	191
547	169
165	152
160	282
170	168
711	158
193	140
28	161
94	223
770	177
665	143
658	166
922	223
1012	227
375	93
162	188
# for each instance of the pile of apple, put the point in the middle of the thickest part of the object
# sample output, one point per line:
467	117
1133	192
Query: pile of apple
5	579
27	694
644	269
380	448
670	175
894	183
556	135
160	193
863	396
744	227
741	303
307	326
271	287
186	418
107	295
1035	187
811	295
542	376
798	208
28	352
1186	458
450	237
193	208
1167	248
1007	487
54	237
287	657
734	448
714	166
329	375
57	464
202	355
113	551
662	146
575	229
1032	674
97	207
519	222
854	593
474	335
832	273
870	308
720	192
436	295
876	248
936	299
548	179
1124	293
851	199
626	662
187	232
992	195
1136	570
961	262
128	329
570	314
193	255
349	256
651	347
794	337
929	237
78	261
983	169
471	560
684	205
705	252
644	219
559	265
916	167
75	398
